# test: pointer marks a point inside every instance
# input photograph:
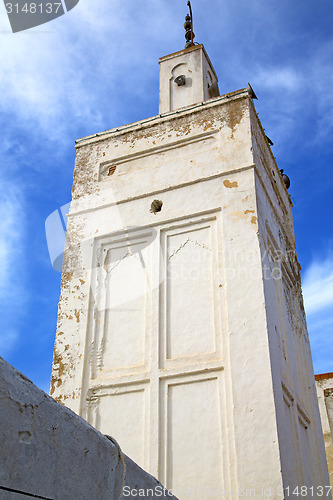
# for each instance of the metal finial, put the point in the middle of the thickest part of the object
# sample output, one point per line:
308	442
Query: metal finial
189	35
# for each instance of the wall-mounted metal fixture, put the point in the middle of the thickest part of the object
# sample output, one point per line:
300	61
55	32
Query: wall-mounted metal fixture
270	142
285	178
180	80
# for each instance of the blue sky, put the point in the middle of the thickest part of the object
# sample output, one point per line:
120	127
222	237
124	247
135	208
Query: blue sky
96	68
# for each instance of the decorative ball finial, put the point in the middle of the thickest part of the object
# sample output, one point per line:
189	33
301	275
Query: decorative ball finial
189	35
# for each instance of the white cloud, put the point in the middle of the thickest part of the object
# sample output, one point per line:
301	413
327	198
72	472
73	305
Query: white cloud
56	74
318	299
43	75
14	294
11	224
318	287
279	79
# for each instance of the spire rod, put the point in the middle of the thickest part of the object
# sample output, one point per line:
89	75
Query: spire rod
189	34
192	34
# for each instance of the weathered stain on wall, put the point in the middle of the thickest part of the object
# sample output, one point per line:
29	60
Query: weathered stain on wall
229	184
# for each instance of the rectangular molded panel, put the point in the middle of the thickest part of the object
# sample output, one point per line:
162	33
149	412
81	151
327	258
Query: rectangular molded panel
194	438
123	300
125	314
189	298
288	443
122	416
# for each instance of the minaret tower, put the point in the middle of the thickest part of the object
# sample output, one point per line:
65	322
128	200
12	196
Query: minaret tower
181	328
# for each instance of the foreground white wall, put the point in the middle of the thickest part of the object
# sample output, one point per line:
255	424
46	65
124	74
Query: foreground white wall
48	452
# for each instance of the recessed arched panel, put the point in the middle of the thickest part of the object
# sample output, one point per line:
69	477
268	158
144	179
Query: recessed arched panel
180	95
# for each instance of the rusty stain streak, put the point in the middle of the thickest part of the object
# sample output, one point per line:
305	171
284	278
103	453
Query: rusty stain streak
63	365
249	212
82	281
66	277
56	380
254	220
77	315
235	114
229	184
206	124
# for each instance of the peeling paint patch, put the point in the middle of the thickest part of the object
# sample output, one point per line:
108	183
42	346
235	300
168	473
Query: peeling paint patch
60	368
77	315
229	184
66	277
236	112
205	123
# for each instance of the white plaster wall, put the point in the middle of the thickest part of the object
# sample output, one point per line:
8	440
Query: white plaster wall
105	204
47	450
195	64
300	435
165	315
